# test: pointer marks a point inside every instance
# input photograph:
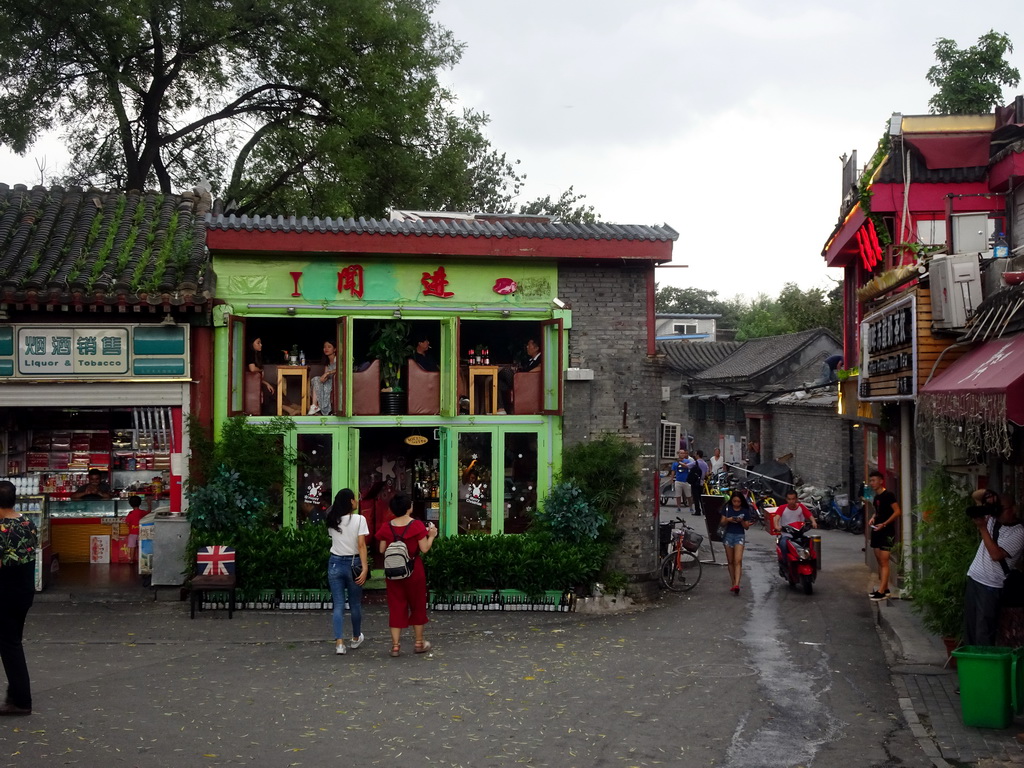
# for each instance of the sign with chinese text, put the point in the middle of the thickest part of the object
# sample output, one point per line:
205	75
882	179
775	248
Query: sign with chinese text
888	361
92	352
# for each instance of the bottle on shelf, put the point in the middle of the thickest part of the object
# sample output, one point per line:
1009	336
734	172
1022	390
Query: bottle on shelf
472	357
1000	250
487	356
302	357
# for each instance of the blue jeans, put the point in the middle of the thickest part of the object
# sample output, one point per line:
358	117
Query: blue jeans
341	581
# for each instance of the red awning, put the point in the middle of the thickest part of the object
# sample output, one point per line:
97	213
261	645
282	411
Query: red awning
952	150
987	382
842	248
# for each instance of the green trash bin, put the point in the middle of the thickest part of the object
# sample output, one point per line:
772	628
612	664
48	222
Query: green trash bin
988	683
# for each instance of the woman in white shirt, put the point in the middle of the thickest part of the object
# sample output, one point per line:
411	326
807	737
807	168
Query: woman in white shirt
348	566
717	462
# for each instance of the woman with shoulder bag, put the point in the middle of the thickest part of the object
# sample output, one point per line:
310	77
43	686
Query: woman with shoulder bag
348	566
19	542
407	597
736	517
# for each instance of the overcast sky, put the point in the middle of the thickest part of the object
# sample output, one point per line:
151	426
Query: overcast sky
724	119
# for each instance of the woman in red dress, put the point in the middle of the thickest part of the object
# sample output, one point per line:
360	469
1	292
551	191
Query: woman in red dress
407	598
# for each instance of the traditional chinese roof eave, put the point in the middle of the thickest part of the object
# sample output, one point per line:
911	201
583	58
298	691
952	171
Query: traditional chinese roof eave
456	240
107	302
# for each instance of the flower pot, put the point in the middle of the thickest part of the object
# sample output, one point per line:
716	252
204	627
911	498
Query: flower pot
392	403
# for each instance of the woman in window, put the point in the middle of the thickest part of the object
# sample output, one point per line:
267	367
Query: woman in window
323	385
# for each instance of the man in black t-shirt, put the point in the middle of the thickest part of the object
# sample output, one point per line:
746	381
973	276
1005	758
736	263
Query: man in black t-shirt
882	527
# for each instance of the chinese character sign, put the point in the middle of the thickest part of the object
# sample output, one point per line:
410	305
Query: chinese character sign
434	284
44	351
351	279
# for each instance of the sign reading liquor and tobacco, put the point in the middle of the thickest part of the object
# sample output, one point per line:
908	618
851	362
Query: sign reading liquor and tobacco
93	352
888	357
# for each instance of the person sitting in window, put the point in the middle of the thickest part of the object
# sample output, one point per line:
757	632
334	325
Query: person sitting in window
322	386
254	362
506	376
96	488
422	355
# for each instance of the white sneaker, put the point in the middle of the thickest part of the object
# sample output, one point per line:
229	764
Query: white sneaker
340	649
314	409
356	643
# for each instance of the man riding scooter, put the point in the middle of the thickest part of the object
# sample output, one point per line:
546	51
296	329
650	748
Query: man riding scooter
792	521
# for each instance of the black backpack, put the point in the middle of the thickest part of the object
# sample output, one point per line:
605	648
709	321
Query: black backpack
693	477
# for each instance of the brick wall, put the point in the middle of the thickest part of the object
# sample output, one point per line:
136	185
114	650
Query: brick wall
609	336
819	442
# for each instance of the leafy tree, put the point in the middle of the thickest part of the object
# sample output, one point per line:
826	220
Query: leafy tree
792	311
970	80
564	208
698	301
330	107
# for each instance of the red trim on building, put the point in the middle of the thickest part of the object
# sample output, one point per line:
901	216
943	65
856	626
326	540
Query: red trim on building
842	249
1009	168
293	242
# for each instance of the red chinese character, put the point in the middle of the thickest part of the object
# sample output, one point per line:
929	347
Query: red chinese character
435	284
351	279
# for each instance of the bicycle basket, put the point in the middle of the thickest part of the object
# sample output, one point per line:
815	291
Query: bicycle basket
843	500
692	541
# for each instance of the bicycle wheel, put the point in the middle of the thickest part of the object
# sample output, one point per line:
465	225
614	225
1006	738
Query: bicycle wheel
682	577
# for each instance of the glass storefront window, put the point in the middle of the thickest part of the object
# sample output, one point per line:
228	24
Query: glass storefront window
520	488
313	487
475	478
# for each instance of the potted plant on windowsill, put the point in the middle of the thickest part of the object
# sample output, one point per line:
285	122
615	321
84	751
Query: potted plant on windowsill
390	344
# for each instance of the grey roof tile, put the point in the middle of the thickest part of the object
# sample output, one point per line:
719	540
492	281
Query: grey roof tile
488	227
88	247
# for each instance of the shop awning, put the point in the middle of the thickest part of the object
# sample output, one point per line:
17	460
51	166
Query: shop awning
974	399
992	372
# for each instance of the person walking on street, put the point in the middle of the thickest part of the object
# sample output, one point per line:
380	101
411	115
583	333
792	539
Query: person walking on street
737	517
347	567
407	598
883	530
19	541
697	483
681	471
1002	539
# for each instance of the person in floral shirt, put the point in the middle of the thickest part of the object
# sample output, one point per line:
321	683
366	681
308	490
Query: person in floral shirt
18	543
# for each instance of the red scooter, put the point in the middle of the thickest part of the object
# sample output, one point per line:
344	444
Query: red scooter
798	557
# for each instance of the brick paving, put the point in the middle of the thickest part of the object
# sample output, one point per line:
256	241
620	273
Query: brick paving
927	692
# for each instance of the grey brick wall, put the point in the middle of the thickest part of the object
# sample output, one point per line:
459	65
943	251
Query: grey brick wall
819	441
609	336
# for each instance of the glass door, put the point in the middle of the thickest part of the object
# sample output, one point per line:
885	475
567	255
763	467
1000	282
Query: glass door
494	478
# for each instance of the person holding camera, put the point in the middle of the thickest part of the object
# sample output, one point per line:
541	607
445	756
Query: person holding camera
1002	539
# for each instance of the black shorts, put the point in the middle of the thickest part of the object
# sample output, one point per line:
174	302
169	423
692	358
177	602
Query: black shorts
883	538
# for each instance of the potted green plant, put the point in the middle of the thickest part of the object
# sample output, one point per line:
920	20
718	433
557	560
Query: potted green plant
945	541
390	344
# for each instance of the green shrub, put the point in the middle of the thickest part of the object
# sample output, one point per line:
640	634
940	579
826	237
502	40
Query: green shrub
532	563
945	542
566	514
605	470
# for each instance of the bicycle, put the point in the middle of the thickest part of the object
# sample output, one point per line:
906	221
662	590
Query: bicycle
680	569
759	504
832	515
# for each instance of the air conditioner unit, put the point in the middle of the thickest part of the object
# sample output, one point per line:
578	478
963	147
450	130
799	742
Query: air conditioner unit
955	287
670	439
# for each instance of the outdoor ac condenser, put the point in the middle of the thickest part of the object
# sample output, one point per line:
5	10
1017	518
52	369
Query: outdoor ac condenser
956	289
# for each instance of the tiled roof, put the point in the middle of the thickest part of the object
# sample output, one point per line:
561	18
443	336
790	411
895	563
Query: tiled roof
692	357
892	171
466	226
93	247
757	356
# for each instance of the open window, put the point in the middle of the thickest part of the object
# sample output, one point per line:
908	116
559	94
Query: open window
551	332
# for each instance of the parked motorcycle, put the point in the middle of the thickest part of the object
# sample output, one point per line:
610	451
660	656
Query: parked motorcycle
798	557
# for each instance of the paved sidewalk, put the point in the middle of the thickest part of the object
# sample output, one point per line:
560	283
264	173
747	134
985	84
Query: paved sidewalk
927	689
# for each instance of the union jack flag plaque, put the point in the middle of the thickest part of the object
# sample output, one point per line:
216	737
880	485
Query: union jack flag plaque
215	561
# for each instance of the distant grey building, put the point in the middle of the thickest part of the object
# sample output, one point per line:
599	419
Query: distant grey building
772	390
686	327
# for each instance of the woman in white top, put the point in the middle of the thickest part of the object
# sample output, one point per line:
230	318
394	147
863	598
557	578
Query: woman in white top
347	567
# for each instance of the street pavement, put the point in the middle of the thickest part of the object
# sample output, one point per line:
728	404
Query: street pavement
769	678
